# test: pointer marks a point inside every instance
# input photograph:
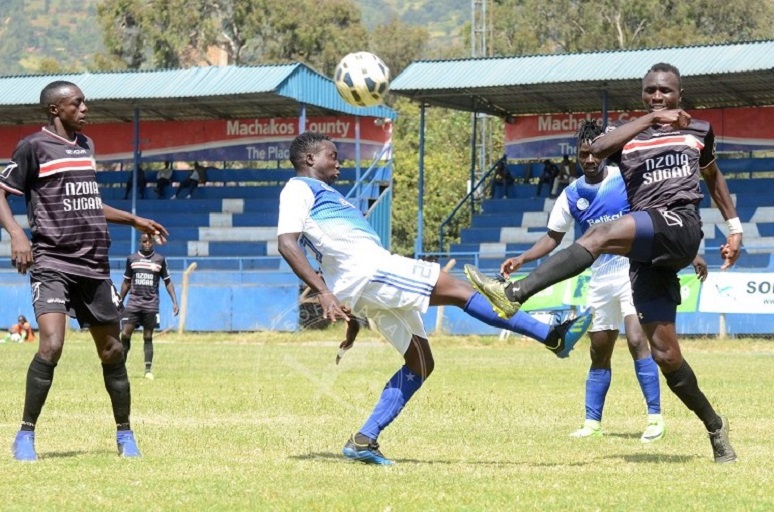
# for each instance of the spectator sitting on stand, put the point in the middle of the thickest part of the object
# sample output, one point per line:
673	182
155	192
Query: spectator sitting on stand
198	175
163	179
141	182
502	182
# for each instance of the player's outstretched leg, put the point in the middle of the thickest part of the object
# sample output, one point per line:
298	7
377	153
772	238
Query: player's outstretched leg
560	339
493	290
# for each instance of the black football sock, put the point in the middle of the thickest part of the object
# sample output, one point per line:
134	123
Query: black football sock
126	341
564	264
683	383
39	377
117	385
148	349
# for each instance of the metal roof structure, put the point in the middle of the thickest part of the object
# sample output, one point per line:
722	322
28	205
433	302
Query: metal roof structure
228	92
714	76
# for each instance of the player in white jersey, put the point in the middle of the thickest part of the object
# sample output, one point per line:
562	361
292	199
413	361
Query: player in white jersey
364	279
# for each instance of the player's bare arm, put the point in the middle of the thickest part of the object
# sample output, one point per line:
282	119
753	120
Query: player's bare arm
718	189
173	296
141	224
700	267
545	245
21	249
287	245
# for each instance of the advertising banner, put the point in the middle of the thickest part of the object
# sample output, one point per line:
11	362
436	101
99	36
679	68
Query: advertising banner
573	292
726	292
265	139
553	135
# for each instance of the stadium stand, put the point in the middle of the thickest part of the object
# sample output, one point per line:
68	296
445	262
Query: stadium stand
228	224
509	226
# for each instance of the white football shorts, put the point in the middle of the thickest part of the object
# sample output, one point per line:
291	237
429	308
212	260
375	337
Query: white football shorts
612	302
395	298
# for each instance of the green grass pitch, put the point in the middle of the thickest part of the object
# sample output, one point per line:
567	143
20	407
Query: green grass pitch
256	421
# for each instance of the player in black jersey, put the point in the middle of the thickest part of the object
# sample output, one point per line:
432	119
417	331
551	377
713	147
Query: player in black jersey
661	156
144	269
54	170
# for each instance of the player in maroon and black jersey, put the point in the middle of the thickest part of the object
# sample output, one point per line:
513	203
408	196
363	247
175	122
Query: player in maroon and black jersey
661	156
144	270
54	170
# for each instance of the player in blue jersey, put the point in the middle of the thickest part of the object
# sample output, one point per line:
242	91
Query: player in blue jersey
600	196
661	156
364	279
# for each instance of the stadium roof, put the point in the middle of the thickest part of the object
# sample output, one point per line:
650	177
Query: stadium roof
228	92
724	75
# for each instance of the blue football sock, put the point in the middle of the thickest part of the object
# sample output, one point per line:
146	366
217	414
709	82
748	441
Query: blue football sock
398	391
597	384
647	374
523	323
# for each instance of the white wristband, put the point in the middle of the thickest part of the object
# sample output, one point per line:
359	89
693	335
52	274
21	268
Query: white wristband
734	226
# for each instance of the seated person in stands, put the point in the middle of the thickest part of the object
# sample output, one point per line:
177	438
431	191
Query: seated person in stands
502	182
198	175
550	171
565	177
163	179
141	182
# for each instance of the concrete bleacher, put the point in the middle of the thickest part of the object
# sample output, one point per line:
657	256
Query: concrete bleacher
227	224
509	226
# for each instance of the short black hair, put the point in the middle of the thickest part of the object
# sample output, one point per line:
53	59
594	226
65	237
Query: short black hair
305	143
667	68
51	94
588	130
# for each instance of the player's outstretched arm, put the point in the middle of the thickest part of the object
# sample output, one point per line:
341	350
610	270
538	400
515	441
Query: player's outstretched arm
287	245
543	246
144	225
21	249
718	189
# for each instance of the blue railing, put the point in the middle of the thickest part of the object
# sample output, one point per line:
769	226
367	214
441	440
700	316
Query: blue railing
463	201
372	195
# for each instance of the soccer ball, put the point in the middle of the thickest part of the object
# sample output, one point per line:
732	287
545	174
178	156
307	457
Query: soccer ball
362	79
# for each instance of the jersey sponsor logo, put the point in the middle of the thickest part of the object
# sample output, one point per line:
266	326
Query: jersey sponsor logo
76	152
605	218
667	166
582	204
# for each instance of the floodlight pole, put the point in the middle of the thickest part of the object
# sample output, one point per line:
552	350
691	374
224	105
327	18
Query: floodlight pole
302	119
133	237
418	249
